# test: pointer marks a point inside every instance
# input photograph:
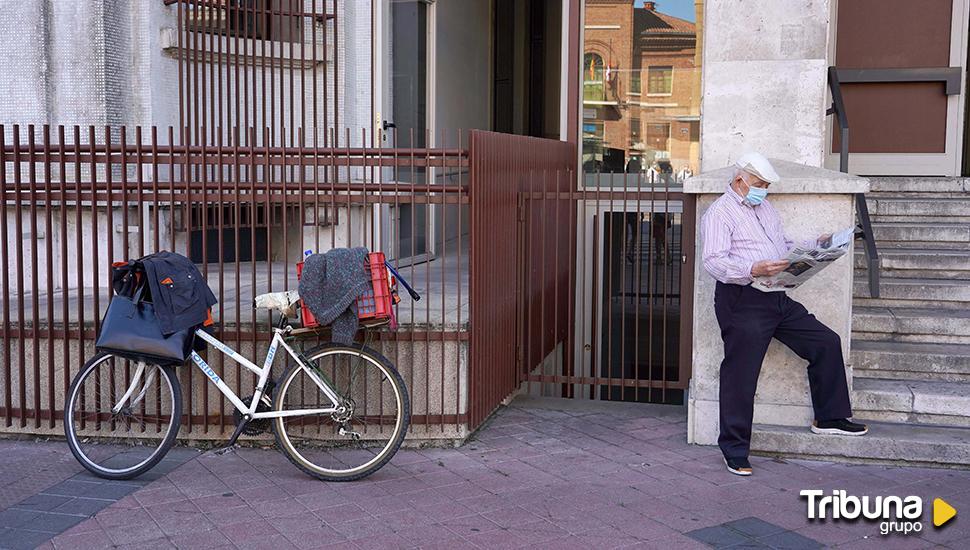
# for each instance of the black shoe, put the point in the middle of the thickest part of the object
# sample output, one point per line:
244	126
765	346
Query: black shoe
839	426
738	466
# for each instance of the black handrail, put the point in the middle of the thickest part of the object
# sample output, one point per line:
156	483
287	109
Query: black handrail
862	209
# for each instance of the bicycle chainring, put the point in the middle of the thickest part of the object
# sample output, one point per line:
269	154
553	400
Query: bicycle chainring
262	425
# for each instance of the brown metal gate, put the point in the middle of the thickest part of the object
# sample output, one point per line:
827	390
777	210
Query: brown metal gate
575	293
605	281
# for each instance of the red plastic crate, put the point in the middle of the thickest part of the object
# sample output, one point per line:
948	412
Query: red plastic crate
374	305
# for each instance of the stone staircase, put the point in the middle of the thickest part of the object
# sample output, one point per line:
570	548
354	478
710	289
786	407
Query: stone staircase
910	346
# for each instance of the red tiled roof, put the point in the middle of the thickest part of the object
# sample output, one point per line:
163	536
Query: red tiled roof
653	23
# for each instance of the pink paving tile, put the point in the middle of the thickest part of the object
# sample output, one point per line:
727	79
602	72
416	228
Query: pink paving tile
246	531
466	526
212	538
313	538
342	512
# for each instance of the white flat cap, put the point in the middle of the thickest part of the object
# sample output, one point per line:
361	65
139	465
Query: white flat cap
757	165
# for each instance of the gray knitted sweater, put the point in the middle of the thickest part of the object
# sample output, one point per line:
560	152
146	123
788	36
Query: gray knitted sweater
330	285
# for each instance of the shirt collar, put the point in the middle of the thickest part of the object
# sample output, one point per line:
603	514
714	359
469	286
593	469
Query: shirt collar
736	197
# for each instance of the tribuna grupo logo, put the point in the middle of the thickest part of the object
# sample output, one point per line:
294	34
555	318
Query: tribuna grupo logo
895	514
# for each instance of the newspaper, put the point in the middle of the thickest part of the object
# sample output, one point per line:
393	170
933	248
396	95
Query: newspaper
805	262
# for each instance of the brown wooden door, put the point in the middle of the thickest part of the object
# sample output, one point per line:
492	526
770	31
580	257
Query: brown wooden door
902	67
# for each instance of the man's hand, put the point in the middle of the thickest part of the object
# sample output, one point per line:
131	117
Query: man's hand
767	268
823	238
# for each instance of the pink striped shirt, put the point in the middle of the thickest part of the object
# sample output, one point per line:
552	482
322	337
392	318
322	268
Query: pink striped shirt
736	235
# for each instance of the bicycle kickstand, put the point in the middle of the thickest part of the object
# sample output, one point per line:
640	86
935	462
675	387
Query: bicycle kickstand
235	436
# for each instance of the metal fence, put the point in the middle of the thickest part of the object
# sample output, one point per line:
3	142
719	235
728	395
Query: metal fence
77	199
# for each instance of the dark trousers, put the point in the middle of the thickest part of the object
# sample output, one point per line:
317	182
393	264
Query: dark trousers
749	319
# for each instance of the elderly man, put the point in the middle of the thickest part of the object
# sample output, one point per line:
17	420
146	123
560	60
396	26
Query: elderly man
743	239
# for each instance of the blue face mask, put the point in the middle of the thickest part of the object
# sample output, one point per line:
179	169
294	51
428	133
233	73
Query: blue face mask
756	195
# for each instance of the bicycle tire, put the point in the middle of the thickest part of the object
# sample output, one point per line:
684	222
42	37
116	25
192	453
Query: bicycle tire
73	439
388	452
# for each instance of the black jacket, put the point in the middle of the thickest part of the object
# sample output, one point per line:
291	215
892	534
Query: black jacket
180	294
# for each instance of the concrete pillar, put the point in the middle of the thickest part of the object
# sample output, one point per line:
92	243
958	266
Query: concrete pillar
764	78
811	201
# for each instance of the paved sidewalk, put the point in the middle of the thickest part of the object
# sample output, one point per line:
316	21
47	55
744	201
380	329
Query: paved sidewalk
543	473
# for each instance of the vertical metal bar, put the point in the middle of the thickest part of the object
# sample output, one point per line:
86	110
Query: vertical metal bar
186	174
34	283
428	135
238	188
458	283
222	272
444	256
65	283
95	230
180	27
140	184
254	226
49	279
78	246
5	282
19	228
336	67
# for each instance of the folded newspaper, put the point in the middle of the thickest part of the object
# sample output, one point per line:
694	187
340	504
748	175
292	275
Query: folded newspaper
804	262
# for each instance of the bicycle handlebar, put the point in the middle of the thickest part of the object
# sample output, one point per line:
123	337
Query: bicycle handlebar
414	295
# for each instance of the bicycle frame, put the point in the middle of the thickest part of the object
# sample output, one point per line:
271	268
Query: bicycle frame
263	376
261	372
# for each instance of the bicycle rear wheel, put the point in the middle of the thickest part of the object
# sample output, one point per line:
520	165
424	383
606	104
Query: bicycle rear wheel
365	432
121	417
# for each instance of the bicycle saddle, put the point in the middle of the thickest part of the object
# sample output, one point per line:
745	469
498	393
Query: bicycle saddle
284	302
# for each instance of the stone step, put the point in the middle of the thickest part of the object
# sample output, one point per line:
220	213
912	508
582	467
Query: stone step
919	184
911	324
919	209
896	260
922	235
912	444
911	361
911	401
913	292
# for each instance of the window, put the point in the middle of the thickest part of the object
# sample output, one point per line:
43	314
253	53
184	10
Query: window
658	138
635	82
257	19
635	136
660	80
593	86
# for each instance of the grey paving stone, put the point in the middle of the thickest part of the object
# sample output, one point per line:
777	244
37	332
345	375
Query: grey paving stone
42	502
111	491
718	536
22	539
13	517
52	522
789	540
72	488
82	506
754	527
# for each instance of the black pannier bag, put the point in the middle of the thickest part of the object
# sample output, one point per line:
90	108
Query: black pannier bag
130	328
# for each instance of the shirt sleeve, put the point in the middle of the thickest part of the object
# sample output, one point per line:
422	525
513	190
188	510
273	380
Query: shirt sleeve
718	259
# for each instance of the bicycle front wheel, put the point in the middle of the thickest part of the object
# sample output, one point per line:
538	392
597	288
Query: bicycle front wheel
368	426
121	417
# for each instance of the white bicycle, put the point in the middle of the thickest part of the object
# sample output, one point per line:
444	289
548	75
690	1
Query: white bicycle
339	413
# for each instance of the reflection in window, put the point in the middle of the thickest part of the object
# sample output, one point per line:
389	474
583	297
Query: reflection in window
660	80
641	91
593	88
